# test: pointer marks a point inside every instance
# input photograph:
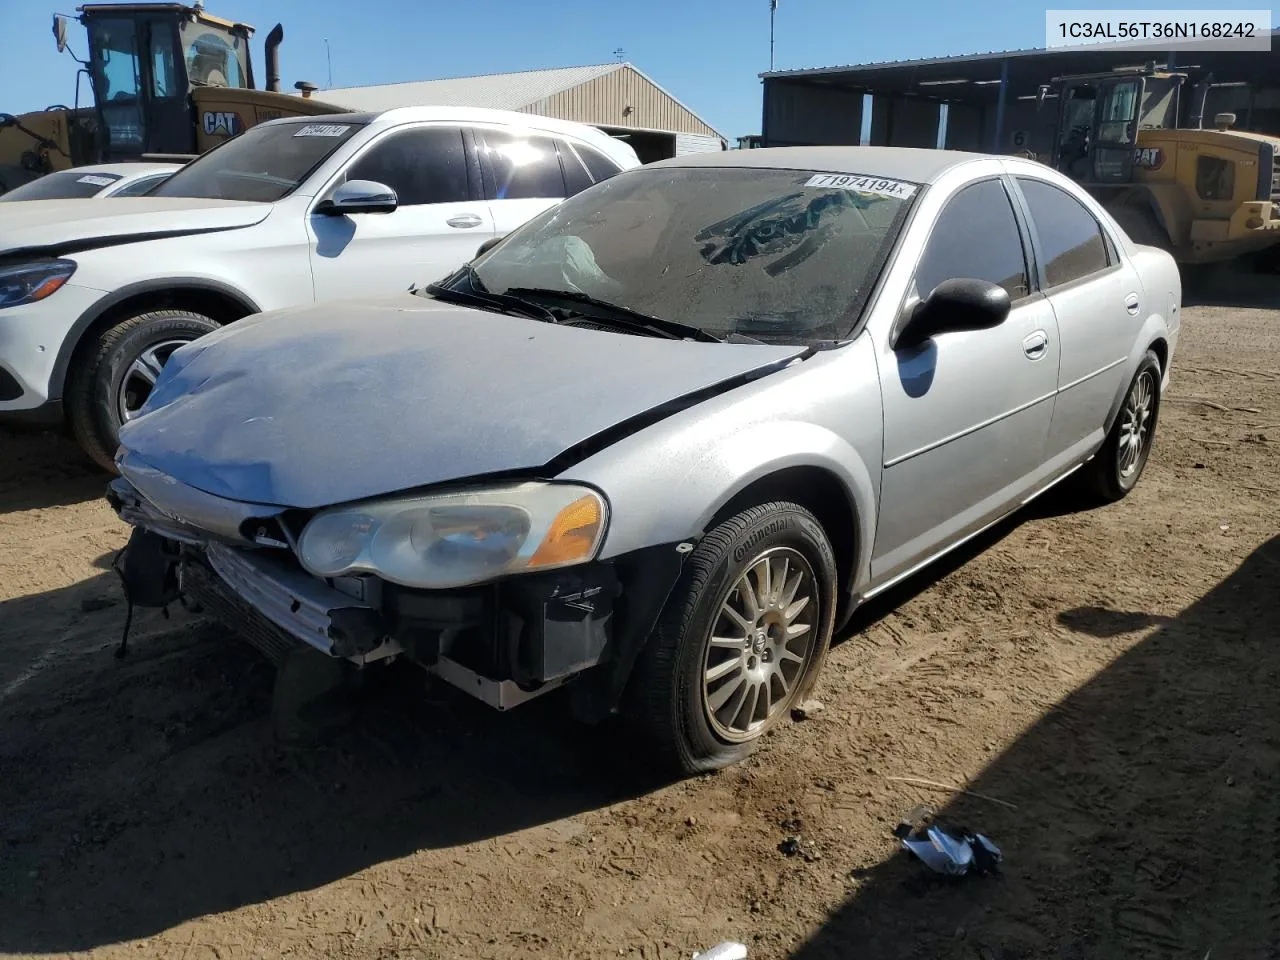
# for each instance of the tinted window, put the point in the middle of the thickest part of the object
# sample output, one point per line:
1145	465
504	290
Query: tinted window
521	166
262	164
976	237
1071	242
600	166
64	185
576	178
426	165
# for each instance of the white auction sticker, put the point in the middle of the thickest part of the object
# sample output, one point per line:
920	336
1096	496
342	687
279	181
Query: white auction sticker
96	180
880	186
323	130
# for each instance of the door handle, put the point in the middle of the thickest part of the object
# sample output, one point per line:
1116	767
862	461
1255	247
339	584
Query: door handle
1132	304
464	221
1036	345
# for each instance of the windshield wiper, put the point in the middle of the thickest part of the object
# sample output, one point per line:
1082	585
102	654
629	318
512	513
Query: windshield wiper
619	315
479	296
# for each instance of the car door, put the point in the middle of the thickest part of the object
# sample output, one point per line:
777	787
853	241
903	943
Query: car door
521	173
439	222
965	413
1096	298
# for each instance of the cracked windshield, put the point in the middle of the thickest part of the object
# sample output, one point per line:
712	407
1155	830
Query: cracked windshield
734	480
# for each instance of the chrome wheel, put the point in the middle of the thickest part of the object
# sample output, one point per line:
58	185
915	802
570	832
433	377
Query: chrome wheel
140	378
760	644
1135	425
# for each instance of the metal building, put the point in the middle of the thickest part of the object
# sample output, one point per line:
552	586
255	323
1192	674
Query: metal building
989	98
616	97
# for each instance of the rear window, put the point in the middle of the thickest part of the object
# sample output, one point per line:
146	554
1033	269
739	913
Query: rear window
63	185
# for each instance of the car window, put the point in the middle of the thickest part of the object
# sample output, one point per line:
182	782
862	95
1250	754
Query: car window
423	165
140	186
600	166
520	166
576	177
62	185
262	164
976	237
1071	242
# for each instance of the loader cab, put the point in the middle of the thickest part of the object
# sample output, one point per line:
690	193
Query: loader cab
1099	116
144	59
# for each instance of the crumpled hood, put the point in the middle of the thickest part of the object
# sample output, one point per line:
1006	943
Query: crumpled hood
68	225
325	404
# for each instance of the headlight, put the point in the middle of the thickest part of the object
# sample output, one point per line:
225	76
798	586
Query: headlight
458	539
29	282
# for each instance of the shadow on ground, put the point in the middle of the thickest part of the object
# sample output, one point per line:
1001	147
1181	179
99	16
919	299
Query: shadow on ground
43	468
1148	818
138	794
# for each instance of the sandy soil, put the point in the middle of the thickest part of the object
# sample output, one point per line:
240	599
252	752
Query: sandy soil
1109	675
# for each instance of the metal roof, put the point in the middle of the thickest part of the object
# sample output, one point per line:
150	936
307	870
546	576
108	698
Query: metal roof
500	91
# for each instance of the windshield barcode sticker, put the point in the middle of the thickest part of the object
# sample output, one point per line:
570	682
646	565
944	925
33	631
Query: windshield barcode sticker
96	180
876	185
323	130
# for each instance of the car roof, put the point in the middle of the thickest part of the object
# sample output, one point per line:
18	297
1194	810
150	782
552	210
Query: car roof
397	115
915	164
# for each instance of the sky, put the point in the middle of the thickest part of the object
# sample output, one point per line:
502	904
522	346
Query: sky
707	53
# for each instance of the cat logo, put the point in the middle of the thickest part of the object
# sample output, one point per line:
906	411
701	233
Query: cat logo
220	122
1148	158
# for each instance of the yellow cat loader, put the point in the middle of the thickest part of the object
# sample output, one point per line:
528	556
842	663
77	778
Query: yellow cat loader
1205	195
166	80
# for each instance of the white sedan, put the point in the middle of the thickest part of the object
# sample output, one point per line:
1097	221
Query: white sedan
97	180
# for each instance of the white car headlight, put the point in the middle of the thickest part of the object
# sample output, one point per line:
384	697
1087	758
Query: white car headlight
28	282
459	538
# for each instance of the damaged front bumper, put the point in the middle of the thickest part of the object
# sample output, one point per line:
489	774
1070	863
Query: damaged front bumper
504	643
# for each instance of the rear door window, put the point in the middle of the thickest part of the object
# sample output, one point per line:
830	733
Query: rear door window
1071	241
576	177
520	166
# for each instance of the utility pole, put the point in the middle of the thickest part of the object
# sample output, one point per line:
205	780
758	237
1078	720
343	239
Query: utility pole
329	58
773	11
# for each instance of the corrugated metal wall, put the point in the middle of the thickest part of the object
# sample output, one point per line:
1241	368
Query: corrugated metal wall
697	143
603	102
804	113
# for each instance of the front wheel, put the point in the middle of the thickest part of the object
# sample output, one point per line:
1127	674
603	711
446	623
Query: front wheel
741	640
1116	468
114	380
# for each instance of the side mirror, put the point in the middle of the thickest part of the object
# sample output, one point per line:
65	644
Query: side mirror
60	31
489	245
955	305
359	196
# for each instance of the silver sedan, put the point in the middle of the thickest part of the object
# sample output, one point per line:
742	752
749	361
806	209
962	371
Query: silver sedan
659	443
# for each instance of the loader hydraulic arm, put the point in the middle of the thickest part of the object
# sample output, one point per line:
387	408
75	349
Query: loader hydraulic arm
8	120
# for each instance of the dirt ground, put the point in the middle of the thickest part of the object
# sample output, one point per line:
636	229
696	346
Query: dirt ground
1109	676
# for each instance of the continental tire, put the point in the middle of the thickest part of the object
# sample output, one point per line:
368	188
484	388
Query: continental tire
116	374
742	638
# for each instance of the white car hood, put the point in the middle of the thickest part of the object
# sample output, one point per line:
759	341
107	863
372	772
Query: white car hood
53	227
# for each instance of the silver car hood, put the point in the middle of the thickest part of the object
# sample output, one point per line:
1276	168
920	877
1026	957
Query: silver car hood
326	404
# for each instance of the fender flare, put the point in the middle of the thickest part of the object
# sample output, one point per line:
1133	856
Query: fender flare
86	320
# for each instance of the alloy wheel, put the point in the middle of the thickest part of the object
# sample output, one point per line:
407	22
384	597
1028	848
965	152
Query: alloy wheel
1135	425
760	644
140	378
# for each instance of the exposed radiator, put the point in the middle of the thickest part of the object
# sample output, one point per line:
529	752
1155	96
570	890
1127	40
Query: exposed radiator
204	587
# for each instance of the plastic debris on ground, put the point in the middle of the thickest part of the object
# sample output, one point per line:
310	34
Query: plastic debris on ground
724	951
953	852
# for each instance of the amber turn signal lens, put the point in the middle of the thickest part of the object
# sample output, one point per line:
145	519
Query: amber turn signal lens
572	535
49	287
